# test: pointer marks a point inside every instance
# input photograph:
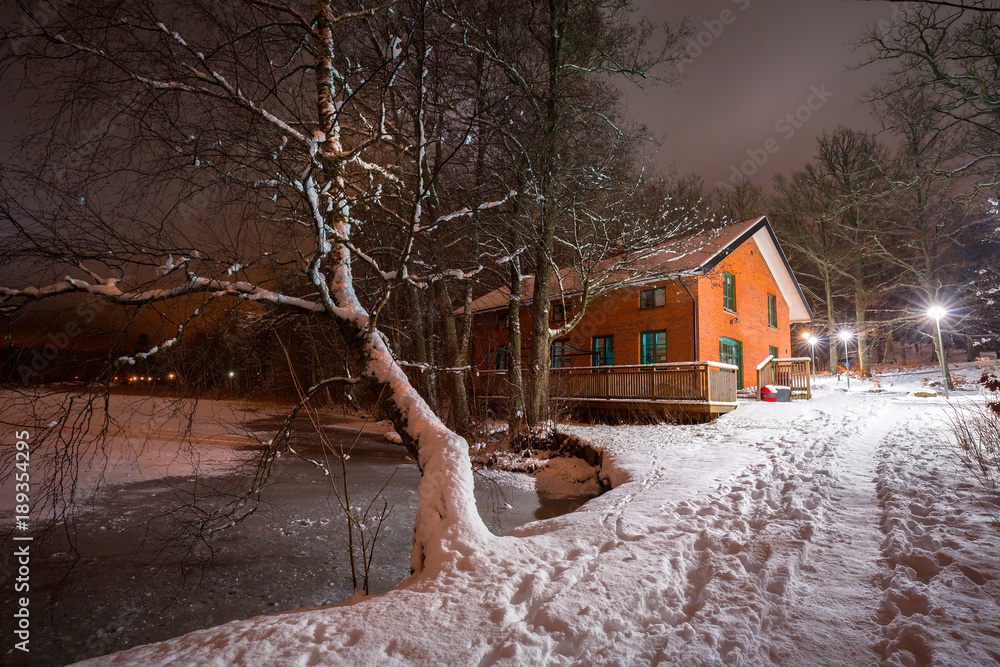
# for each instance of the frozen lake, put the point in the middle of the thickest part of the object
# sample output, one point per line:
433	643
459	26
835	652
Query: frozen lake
115	580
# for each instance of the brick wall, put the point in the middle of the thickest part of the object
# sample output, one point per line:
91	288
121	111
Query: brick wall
753	283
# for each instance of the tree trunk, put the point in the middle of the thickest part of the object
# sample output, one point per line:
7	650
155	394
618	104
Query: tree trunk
421	376
831	324
539	364
453	380
860	317
515	374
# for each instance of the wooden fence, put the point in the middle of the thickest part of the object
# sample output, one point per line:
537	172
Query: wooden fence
795	372
699	382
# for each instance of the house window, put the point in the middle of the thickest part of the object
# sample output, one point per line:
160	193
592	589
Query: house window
604	350
653	298
731	352
558	313
729	292
653	347
560	353
503	319
773	351
499	358
772	311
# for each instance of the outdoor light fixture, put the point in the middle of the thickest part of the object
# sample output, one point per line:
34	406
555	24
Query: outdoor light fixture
936	313
846	336
812	340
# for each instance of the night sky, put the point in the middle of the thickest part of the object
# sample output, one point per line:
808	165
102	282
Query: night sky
766	62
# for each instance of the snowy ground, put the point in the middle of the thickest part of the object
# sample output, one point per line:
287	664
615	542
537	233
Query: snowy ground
838	531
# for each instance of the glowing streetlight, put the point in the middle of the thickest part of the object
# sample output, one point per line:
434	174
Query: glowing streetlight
936	313
812	340
232	374
846	336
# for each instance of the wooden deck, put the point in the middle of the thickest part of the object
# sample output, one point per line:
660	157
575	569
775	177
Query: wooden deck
705	388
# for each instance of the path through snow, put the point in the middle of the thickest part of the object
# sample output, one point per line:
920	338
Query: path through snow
836	531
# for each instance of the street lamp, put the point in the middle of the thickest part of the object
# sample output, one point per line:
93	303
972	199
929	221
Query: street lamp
812	340
846	336
936	313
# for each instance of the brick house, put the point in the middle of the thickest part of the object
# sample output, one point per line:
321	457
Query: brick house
728	295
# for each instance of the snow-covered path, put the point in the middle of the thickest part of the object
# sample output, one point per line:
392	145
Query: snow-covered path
830	532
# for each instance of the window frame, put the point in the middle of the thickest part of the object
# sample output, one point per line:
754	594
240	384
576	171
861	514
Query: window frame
604	353
657	291
738	345
642	347
500	354
729	292
773	351
772	311
560	360
561	309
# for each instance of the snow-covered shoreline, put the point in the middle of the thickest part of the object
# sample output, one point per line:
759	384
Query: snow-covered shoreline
834	531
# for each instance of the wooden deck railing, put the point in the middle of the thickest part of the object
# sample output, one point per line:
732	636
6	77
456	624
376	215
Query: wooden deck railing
690	382
795	372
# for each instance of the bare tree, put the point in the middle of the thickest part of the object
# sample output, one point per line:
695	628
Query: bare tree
947	52
247	141
556	59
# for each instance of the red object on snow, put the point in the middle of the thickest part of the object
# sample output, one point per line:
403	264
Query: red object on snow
773	393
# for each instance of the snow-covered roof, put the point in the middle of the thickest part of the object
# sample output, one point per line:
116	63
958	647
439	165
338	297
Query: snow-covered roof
692	255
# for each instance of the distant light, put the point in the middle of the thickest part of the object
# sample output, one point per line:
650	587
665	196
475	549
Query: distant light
806	335
936	312
812	340
170	376
232	373
845	335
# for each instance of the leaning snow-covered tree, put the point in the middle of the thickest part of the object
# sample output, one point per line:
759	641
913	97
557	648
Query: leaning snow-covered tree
257	151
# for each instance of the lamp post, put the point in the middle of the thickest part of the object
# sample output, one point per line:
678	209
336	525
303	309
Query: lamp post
936	313
812	340
846	336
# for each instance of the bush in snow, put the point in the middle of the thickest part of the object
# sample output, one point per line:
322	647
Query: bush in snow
977	429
